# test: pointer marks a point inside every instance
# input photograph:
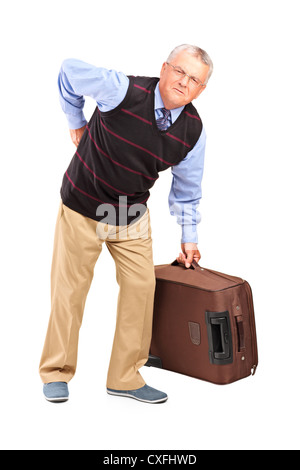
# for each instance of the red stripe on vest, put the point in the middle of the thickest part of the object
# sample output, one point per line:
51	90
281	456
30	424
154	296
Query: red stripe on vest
134	145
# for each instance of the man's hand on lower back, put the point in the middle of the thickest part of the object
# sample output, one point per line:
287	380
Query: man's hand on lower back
76	135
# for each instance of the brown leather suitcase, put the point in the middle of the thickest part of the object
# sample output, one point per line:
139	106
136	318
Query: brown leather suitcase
203	324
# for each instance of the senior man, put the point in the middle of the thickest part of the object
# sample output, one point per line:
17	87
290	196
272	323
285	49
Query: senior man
140	126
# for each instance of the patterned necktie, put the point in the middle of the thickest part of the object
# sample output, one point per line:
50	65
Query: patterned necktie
163	122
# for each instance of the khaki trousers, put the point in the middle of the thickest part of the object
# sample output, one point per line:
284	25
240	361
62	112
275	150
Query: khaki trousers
77	246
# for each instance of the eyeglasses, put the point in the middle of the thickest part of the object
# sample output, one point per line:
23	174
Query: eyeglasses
195	82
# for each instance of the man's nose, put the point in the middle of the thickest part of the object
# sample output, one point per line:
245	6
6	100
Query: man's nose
184	81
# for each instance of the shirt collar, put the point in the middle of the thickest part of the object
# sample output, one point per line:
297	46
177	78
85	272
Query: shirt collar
158	103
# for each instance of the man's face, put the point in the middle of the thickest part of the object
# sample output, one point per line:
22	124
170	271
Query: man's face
177	90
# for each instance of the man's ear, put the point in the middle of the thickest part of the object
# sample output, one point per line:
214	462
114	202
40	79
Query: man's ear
163	68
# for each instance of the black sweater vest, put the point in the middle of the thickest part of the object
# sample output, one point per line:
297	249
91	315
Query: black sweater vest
121	153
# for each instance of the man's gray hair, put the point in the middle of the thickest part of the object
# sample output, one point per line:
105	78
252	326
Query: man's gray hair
196	52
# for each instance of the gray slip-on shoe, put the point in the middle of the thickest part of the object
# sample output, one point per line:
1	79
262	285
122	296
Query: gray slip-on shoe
56	392
146	394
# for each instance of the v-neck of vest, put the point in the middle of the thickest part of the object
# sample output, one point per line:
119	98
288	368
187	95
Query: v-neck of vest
154	123
154	126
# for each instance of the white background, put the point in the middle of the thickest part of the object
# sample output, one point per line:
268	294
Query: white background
249	228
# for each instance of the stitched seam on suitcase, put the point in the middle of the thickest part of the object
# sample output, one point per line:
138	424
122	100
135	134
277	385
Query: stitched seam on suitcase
224	276
199	288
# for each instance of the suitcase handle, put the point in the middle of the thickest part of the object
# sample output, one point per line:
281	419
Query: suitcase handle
219	337
194	264
241	333
224	337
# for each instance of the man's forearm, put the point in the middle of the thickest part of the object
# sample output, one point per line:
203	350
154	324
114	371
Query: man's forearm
185	193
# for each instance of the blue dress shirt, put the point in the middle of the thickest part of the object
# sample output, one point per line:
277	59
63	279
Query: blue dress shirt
108	88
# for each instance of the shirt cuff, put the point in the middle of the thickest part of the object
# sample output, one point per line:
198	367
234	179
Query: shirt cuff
189	233
76	121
